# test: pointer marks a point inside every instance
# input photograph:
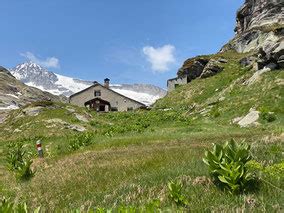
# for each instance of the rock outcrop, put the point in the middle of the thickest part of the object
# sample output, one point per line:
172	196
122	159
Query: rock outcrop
259	30
260	24
201	68
212	68
14	94
193	68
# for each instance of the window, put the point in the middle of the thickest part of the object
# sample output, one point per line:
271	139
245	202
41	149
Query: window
129	108
97	93
114	109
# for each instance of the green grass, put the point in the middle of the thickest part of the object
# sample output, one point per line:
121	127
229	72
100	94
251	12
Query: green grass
131	157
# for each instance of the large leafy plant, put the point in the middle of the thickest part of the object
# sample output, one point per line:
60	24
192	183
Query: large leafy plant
228	165
175	193
80	140
6	206
19	161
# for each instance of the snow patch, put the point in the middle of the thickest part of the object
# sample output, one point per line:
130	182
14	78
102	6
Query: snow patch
70	84
54	91
12	95
144	98
10	107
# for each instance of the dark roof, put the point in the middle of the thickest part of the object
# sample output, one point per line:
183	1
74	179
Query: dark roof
101	100
98	84
172	79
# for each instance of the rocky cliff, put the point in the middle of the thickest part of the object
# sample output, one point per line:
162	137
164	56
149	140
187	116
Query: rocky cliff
259	34
259	24
14	93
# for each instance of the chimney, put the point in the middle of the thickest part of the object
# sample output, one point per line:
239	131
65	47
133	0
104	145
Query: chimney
106	83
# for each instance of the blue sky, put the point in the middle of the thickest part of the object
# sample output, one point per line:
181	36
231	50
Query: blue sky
129	41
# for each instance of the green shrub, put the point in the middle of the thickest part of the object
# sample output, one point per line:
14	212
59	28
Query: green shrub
215	112
228	165
266	115
175	193
24	172
15	155
18	160
80	140
7	206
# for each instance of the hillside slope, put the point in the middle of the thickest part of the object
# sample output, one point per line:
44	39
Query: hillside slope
14	94
229	94
127	159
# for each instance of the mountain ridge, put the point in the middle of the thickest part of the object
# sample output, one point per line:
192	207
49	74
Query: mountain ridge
34	75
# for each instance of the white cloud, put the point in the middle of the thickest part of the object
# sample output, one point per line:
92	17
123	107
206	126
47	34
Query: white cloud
50	62
160	58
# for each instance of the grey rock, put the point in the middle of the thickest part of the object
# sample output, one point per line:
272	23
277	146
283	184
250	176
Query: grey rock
77	128
192	68
32	111
259	13
250	119
248	61
236	120
256	76
260	23
222	60
70	109
280	61
271	66
54	121
212	68
81	118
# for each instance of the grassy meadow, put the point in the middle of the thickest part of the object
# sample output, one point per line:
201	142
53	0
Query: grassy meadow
127	159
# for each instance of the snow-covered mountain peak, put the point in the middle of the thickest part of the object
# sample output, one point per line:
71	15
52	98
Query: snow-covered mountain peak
28	67
34	75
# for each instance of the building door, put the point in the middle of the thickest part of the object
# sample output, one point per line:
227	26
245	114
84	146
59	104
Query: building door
98	105
102	108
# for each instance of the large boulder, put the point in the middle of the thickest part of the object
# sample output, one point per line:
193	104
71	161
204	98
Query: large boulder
192	68
280	61
212	68
248	61
249	120
272	57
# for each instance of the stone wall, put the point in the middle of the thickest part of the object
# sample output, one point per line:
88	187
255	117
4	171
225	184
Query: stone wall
172	83
116	100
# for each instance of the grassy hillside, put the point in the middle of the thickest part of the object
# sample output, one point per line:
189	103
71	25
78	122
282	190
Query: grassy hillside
129	158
